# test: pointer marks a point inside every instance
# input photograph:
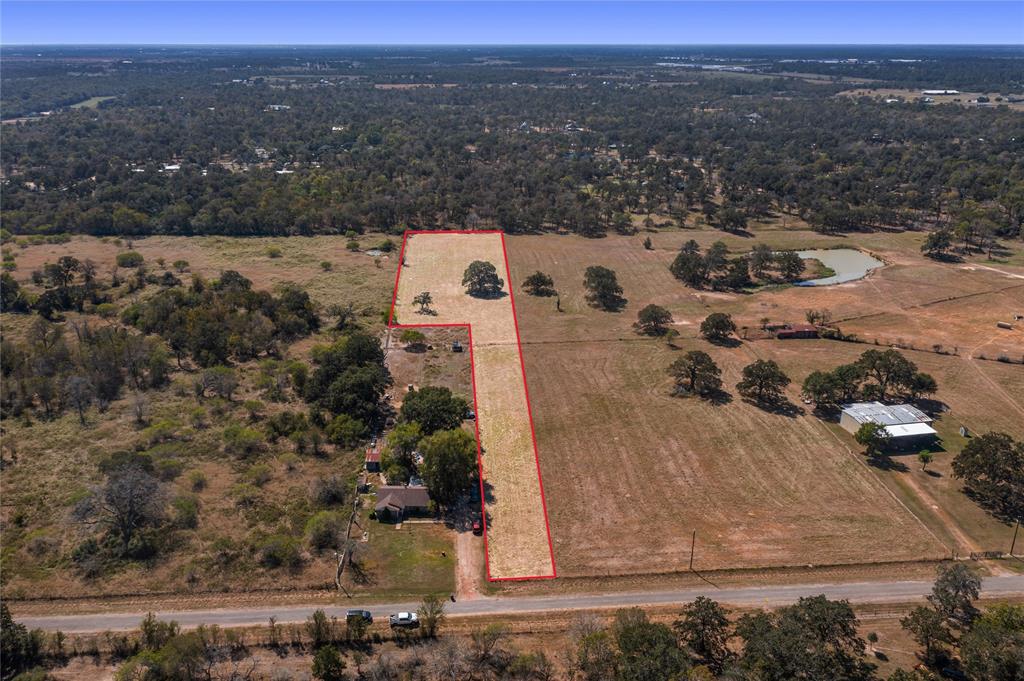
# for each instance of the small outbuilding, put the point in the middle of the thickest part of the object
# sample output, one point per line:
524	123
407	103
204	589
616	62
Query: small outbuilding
396	502
906	425
797	331
372	461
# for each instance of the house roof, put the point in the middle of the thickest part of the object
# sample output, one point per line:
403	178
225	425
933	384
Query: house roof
372	456
885	414
800	327
400	497
909	430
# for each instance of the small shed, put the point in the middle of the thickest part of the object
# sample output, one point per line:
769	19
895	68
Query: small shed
372	461
456	346
396	502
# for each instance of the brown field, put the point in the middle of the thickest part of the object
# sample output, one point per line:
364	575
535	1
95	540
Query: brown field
517	529
631	472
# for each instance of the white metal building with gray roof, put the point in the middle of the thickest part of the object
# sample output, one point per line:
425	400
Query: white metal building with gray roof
905	424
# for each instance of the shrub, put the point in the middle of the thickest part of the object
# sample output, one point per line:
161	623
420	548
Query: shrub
245	495
164	430
329	491
352	245
258	474
106	310
278	550
186	512
197	417
326	266
323	530
241	441
254	408
129	259
273	252
87	558
169	469
197	481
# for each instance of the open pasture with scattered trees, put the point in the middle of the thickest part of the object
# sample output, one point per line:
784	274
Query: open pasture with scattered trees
763	482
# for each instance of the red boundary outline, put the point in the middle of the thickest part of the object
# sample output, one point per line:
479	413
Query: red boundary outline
472	366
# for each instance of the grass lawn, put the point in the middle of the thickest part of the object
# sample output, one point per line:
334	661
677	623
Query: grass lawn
402	560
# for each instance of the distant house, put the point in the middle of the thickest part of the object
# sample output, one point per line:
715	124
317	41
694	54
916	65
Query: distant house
906	425
797	331
940	92
396	502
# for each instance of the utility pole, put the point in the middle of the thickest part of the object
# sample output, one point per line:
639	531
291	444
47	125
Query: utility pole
1014	542
693	543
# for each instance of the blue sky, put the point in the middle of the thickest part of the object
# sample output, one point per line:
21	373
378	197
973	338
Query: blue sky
498	22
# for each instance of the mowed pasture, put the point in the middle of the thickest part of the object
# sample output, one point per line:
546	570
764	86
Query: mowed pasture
630	471
517	536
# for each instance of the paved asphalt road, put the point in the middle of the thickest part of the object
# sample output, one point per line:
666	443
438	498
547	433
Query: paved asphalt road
862	592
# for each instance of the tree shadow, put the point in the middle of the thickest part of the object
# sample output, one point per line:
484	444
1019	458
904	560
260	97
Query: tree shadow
489	295
489	497
718	397
781	407
931	406
359	574
728	342
934	474
427	311
612	305
744	233
998	509
887	463
948	257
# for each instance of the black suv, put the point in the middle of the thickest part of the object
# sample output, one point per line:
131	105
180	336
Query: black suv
363	615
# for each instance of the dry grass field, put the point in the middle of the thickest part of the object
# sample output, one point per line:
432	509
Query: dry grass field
517	534
630	471
57	459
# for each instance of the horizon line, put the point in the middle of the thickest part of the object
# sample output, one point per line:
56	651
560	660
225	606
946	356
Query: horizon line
491	45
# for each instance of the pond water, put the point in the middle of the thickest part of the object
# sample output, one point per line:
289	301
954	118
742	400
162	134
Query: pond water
849	264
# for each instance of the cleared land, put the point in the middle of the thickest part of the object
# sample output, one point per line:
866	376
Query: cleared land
517	536
632	472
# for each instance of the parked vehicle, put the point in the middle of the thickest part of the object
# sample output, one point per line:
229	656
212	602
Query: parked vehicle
478	527
404	619
354	615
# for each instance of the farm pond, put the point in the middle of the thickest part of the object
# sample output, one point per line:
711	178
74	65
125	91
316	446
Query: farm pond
849	264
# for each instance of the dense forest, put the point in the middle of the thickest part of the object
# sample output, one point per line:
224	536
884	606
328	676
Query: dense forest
263	142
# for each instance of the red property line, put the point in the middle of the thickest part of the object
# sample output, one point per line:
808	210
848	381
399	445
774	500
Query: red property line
476	422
